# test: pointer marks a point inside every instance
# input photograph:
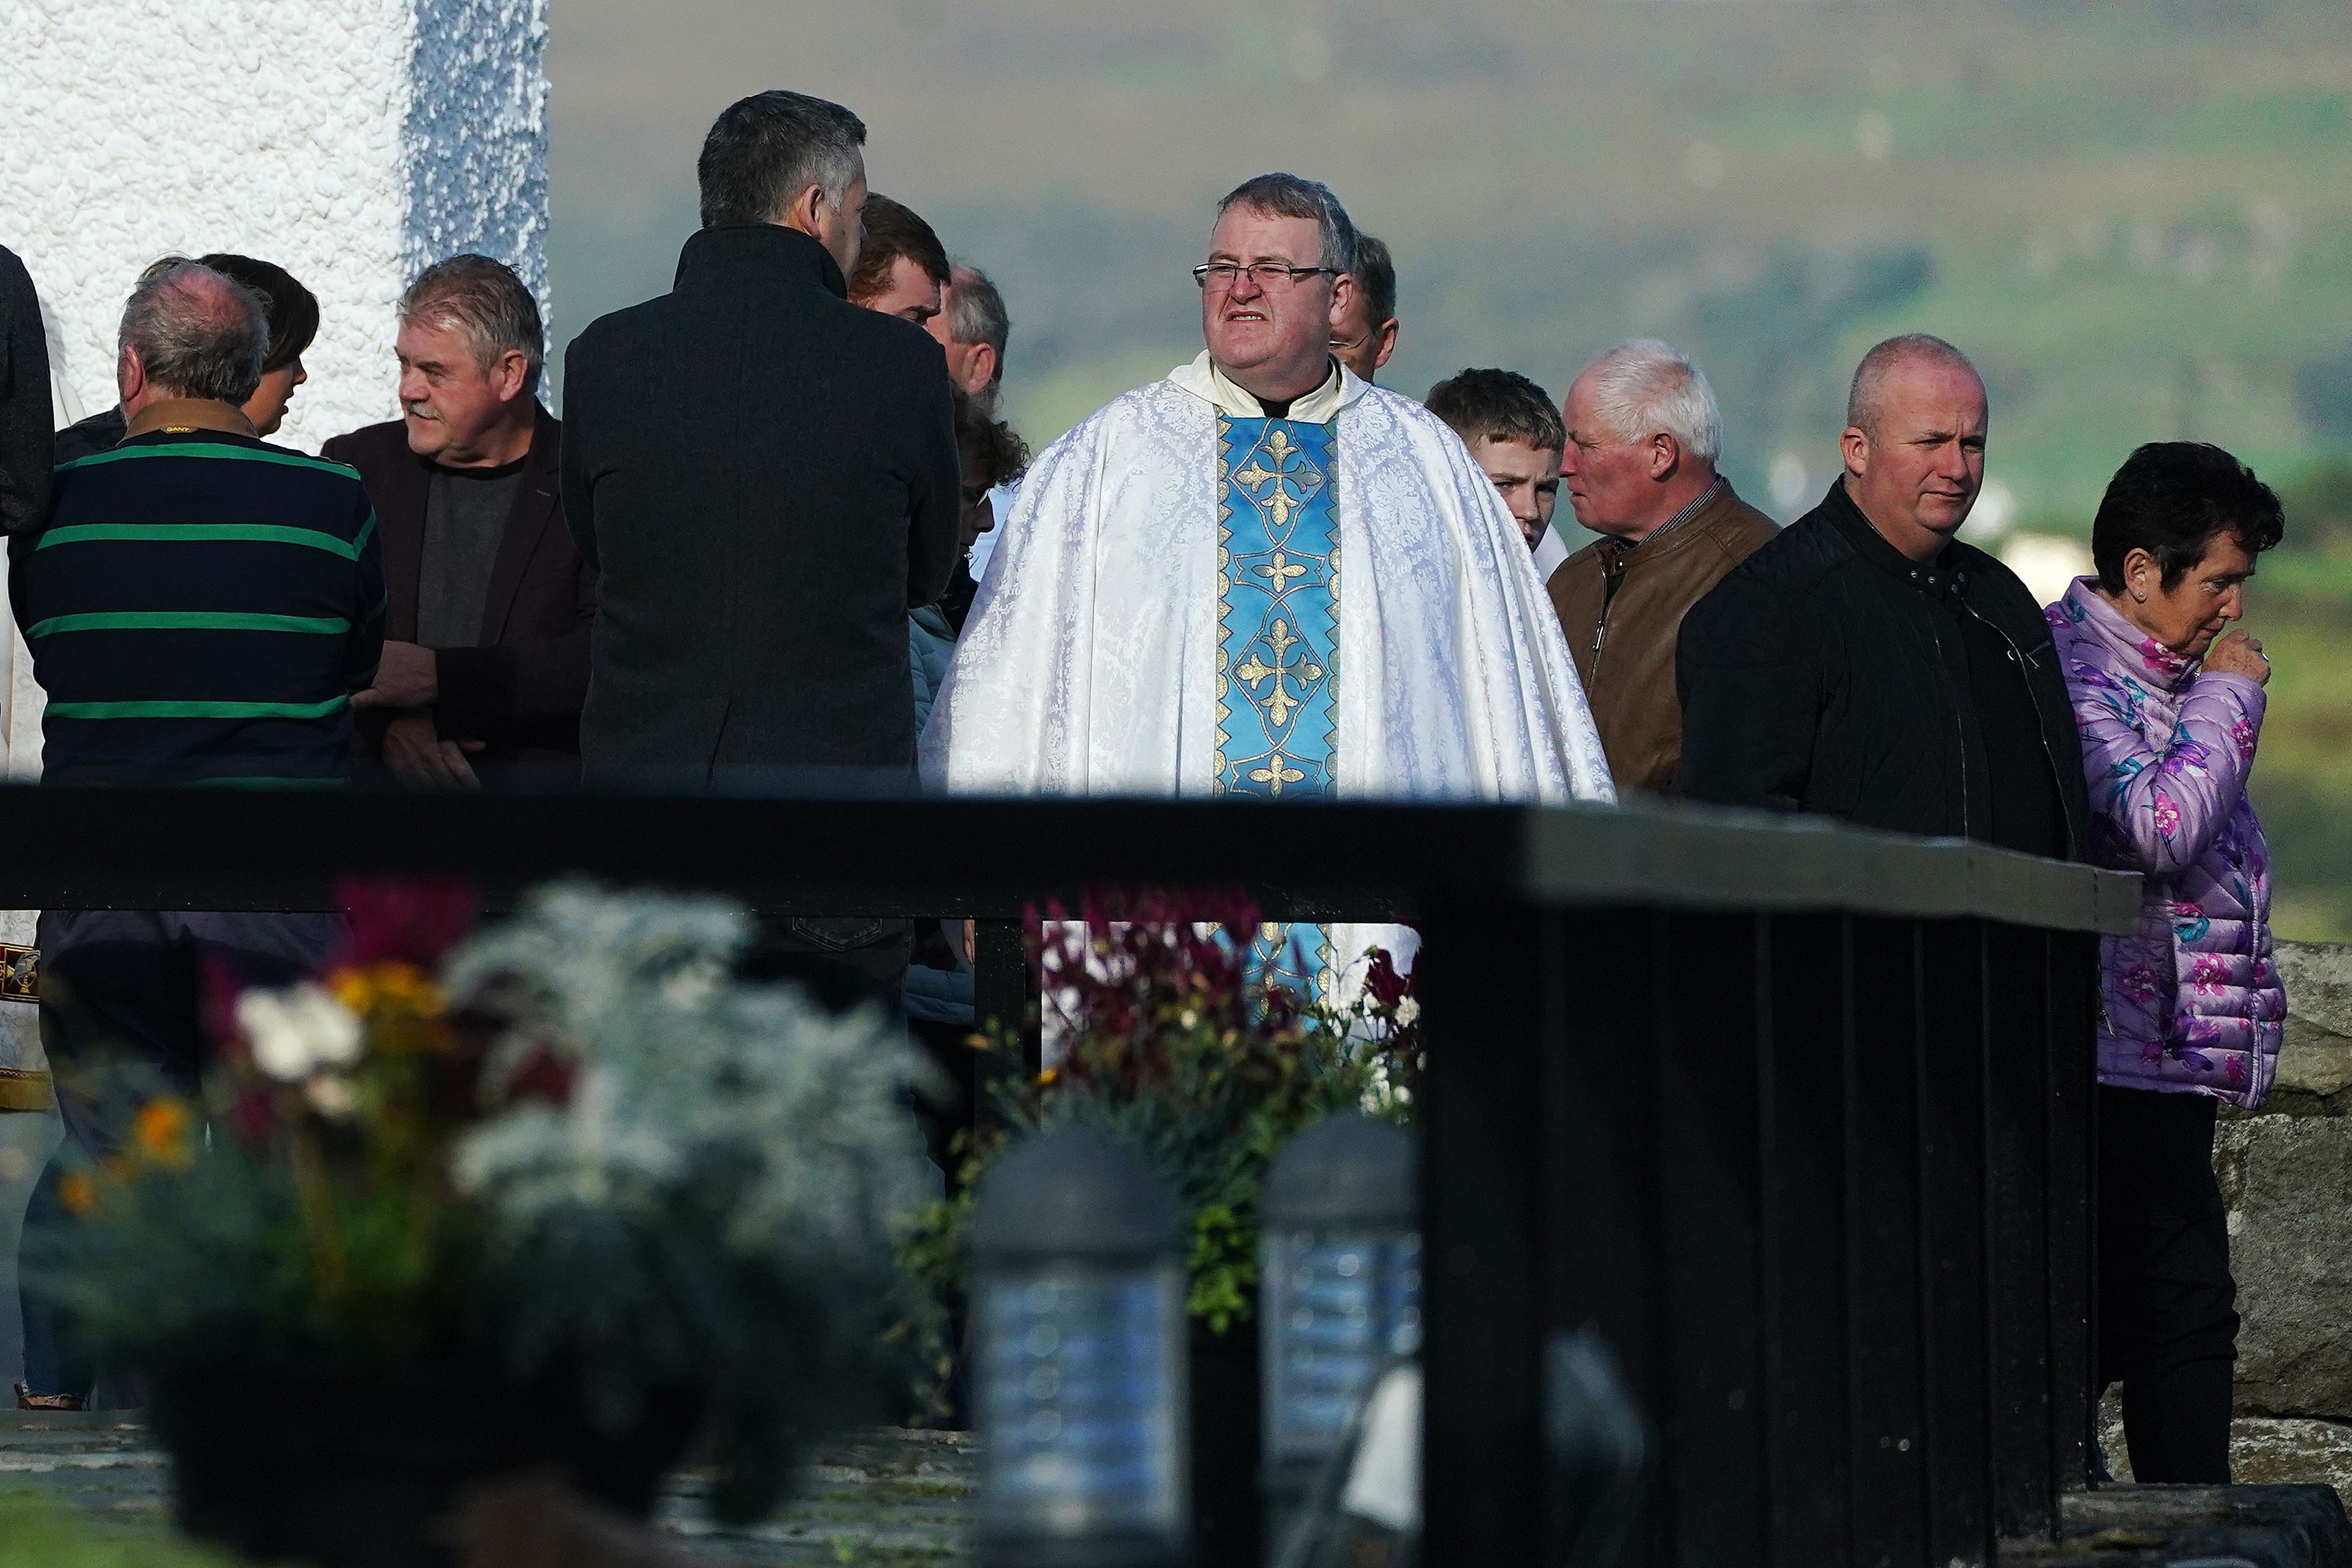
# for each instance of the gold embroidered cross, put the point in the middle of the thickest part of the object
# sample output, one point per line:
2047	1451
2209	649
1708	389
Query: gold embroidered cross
1281	571
1278	774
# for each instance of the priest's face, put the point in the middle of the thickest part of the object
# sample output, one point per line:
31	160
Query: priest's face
1273	337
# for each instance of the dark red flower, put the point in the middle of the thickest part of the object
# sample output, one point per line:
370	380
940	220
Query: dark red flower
544	1076
404	920
1381	978
218	984
252	1117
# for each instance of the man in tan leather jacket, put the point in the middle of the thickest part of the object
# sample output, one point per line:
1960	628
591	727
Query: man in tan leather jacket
1643	435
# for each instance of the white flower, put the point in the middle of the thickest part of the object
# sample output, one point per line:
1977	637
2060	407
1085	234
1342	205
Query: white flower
331	1096
297	1032
1408	1011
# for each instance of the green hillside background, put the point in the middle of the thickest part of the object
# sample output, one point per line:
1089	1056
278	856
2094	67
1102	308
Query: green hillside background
2136	215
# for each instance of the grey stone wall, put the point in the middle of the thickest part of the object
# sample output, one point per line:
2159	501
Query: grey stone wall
2286	1176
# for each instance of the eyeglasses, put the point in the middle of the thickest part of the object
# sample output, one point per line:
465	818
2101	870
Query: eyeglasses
1266	275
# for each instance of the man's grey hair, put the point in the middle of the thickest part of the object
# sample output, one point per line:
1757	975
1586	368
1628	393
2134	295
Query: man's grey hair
976	313
763	150
1644	386
197	333
1865	399
482	300
1288	196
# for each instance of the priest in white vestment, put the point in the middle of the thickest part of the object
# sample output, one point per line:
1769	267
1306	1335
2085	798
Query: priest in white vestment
1263	577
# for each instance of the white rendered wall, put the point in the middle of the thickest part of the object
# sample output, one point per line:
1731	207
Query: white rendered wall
350	141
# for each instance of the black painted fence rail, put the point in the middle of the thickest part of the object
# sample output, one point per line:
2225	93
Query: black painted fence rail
1798	1118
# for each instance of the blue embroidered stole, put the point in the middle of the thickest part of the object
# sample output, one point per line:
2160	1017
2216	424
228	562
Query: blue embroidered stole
1278	643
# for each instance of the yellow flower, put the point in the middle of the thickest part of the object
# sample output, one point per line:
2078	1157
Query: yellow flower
78	1194
164	1131
1048	1076
403	987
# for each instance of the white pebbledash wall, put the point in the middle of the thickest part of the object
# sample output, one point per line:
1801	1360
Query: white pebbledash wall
350	141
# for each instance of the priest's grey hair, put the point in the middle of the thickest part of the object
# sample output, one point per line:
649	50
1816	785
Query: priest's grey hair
1865	399
1644	386
1288	196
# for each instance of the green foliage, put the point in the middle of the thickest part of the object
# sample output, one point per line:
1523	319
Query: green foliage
36	1532
1170	1049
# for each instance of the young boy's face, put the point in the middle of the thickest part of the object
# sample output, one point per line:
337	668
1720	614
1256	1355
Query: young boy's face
1527	477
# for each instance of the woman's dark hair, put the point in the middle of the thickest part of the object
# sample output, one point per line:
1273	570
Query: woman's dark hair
2173	499
293	311
1001	455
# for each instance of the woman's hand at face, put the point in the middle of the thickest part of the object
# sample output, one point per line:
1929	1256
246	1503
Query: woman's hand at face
2239	654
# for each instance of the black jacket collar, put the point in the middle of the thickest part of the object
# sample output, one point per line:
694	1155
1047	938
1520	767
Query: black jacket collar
733	251
1943	573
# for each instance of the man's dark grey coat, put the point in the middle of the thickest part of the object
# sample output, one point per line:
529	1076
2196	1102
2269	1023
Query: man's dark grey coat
765	475
27	430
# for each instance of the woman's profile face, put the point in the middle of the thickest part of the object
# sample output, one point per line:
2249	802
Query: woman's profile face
267	406
2189	615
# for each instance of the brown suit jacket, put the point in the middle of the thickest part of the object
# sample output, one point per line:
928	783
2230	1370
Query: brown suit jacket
1624	640
522	690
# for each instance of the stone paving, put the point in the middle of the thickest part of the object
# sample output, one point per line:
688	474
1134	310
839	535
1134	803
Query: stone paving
881	1496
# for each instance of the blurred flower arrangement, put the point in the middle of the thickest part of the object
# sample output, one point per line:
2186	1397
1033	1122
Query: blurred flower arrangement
571	1147
1172	1045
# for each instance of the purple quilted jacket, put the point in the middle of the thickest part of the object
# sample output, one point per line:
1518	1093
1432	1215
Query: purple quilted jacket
2194	1004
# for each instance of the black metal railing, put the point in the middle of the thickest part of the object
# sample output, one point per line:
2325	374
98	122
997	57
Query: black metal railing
1797	1118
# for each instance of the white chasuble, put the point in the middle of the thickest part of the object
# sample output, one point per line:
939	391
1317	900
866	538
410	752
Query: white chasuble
1092	661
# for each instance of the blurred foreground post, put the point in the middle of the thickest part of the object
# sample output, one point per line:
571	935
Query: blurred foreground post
1080	1335
1339	1300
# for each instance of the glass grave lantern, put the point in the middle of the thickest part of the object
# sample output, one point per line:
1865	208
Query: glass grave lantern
1079	1385
1339	1295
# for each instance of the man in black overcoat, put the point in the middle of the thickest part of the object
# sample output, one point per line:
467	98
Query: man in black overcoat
765	477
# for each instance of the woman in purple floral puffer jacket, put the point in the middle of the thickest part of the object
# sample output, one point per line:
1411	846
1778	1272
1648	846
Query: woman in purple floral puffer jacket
2170	710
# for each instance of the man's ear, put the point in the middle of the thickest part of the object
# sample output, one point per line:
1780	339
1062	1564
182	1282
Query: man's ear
1343	295
1666	454
1856	444
130	375
510	374
1386	337
981	368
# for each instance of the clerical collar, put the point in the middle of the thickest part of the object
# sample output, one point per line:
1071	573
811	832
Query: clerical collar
1205	380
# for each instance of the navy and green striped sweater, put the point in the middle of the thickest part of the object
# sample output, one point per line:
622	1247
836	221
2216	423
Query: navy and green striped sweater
200	607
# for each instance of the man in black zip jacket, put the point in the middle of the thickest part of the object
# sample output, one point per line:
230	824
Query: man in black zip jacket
1867	665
